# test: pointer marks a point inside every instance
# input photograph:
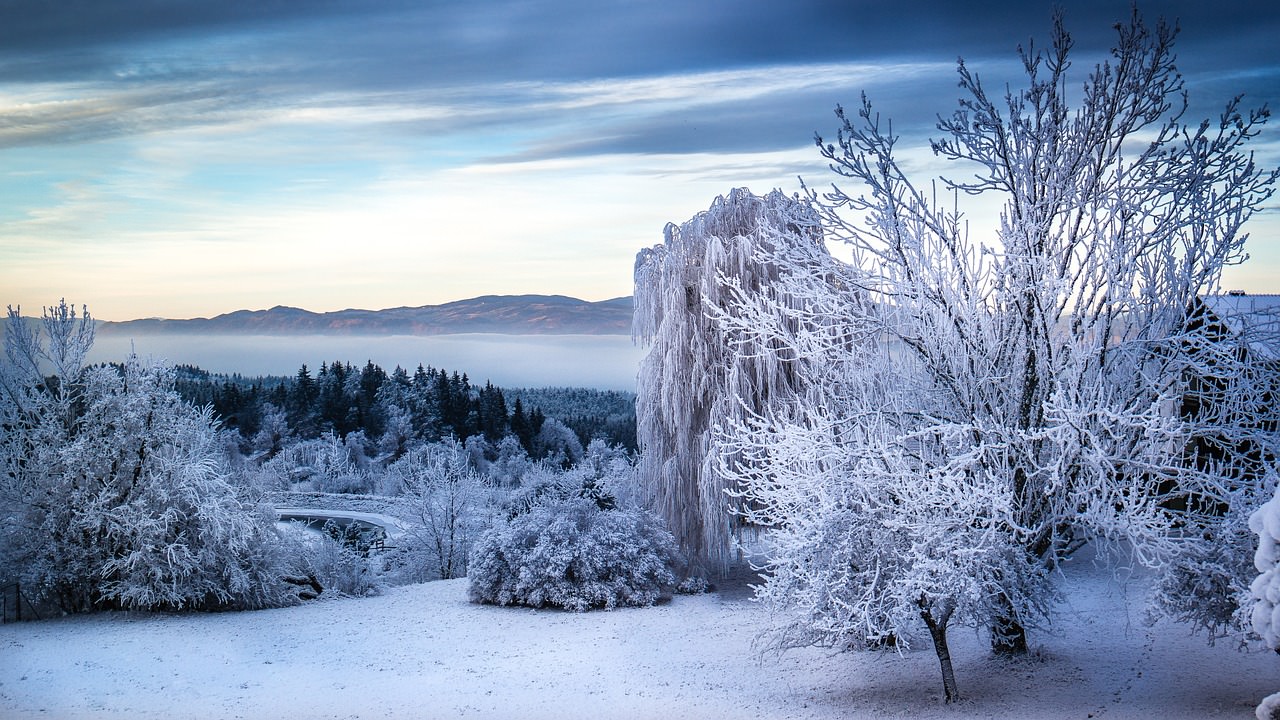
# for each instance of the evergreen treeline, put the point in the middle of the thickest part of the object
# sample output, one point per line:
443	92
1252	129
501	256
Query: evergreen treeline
394	409
591	414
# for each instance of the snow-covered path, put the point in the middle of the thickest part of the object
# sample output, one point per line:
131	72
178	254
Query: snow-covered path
423	651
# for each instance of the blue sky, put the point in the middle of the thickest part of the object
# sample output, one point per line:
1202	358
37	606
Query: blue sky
185	159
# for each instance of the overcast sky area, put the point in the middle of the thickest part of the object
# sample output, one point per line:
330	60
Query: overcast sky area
186	159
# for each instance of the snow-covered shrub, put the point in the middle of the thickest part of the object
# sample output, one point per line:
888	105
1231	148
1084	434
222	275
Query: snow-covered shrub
325	464
611	472
397	435
113	491
693	585
1208	584
292	467
512	463
605	475
1269	708
574	555
543	484
338	465
339	568
355	483
557	441
1265	588
273	432
481	452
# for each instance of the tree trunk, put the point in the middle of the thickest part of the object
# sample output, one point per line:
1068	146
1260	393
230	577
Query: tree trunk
938	631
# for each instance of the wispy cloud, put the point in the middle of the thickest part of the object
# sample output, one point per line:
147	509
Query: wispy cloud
215	155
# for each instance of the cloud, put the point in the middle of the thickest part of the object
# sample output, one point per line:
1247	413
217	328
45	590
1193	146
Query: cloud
140	66
469	40
327	154
734	110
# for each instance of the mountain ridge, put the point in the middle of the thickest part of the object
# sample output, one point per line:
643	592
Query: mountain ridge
496	314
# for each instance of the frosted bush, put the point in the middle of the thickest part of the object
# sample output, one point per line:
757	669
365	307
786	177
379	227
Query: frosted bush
512	463
114	493
324	464
337	467
1269	709
574	555
1204	586
693	585
543	484
339	568
1265	589
557	441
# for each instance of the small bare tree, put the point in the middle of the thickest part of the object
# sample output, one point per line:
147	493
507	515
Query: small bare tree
444	505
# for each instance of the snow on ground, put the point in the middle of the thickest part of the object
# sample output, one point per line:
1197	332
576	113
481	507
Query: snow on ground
423	651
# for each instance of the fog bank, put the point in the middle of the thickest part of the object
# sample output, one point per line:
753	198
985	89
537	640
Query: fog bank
606	362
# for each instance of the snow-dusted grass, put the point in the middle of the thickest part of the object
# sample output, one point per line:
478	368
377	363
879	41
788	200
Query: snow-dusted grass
423	651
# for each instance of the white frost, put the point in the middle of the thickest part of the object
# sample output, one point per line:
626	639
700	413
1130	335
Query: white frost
1265	589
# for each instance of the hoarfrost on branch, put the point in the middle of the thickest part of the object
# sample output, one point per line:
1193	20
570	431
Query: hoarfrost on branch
981	407
697	372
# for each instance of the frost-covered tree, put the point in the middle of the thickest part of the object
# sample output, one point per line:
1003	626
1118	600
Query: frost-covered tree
337	464
1234	391
511	464
114	491
609	470
272	433
398	434
1039	367
695	373
445	505
557	441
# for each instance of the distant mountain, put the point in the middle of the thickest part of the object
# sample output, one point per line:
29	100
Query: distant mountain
502	314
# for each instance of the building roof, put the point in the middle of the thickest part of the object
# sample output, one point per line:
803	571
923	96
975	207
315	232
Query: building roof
1255	319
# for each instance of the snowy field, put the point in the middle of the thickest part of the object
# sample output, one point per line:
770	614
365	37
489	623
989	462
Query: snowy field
423	651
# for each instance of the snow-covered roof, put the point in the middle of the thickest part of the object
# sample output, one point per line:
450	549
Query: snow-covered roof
1255	319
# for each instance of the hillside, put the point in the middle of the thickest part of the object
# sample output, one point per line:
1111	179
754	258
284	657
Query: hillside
499	314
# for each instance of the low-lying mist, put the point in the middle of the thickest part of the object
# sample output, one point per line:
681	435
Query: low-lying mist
605	362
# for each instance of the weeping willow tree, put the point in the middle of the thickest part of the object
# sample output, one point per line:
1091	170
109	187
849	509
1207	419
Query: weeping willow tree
699	370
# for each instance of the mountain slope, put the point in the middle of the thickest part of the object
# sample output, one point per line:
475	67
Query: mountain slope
501	314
